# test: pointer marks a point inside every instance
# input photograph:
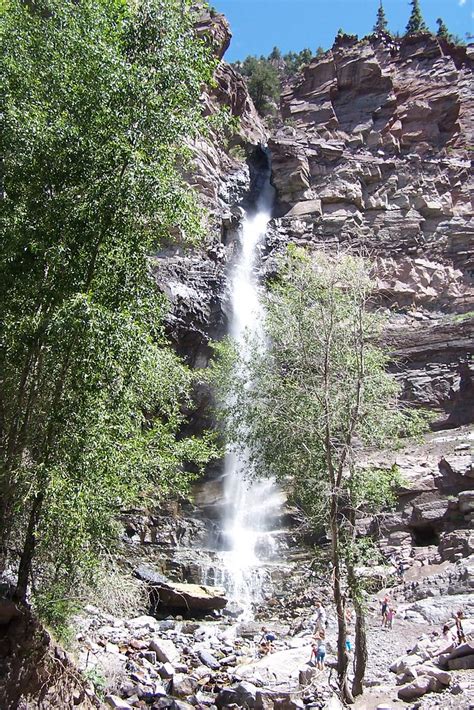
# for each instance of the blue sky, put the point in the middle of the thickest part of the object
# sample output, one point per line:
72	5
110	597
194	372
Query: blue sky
259	25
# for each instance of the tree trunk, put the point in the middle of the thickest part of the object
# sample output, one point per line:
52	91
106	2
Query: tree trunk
360	649
339	600
27	555
360	641
29	544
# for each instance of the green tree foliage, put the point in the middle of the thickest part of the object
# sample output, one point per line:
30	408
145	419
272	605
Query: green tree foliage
442	30
343	35
97	100
294	61
263	83
416	22
381	23
321	386
264	75
275	54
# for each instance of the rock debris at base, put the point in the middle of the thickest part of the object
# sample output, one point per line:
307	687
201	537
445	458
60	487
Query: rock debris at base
180	664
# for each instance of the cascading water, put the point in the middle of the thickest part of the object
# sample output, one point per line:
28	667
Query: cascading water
251	505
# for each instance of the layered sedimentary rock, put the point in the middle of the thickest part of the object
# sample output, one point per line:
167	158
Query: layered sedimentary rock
375	155
372	155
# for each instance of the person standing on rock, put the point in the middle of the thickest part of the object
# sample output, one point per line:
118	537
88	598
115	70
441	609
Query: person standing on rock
320	651
384	609
320	618
389	617
401	571
459	629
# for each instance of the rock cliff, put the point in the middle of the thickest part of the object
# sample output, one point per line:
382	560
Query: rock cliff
372	155
375	155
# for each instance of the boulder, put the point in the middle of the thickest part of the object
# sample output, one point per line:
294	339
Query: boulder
227	696
184	685
230	660
307	674
440	610
246	694
263	700
144	623
149	656
404	663
209	660
431	670
461	664
166	670
465	649
287	701
113	701
181	705
152	692
201	672
190	597
166	651
307	207
419	687
243	694
163	703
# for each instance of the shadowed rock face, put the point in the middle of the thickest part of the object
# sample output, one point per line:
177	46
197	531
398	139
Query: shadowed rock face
34	671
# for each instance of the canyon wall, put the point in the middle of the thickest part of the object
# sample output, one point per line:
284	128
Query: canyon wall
372	155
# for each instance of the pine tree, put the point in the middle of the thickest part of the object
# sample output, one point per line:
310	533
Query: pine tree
275	54
442	29
381	23
416	22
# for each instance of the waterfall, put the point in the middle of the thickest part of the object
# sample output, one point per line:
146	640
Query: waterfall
251	505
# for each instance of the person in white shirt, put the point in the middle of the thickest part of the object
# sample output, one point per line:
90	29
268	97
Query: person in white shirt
319	618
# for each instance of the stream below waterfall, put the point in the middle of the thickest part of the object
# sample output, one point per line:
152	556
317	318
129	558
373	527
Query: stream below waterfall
251	506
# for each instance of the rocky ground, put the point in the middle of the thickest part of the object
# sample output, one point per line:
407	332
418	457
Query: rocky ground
217	661
202	660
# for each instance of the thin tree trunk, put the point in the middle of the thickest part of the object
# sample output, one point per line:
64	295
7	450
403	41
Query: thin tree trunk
360	641
342	655
24	570
360	649
29	544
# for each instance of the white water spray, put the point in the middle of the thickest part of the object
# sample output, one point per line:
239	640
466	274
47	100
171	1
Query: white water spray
250	504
